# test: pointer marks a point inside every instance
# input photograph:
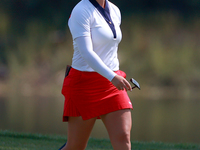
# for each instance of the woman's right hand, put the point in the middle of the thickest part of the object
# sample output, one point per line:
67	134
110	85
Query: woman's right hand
121	83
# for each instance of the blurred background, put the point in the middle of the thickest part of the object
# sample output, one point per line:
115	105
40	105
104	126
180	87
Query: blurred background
160	49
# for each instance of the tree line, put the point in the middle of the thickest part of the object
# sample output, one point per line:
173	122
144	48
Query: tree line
55	13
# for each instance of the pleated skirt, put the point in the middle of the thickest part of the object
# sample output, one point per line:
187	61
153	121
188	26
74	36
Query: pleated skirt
90	95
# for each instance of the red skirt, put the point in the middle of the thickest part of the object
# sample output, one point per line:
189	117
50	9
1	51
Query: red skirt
89	95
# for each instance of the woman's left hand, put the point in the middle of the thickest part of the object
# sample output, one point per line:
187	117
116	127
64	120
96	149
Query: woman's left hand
121	83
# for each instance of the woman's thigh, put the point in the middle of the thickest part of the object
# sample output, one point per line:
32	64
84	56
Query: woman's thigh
118	125
79	131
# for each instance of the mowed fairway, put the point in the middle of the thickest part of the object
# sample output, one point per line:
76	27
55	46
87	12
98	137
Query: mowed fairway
24	141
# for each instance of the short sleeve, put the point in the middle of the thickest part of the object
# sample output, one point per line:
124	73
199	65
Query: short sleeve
79	23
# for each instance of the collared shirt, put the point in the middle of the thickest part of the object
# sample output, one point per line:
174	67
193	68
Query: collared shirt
87	20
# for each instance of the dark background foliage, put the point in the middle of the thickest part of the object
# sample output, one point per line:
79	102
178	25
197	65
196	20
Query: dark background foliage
55	13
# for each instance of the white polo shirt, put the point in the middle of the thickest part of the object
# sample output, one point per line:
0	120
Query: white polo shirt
87	21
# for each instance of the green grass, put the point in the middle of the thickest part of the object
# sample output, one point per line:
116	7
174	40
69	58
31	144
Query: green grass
24	141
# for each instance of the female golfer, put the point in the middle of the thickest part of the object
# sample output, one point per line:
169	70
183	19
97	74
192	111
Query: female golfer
95	88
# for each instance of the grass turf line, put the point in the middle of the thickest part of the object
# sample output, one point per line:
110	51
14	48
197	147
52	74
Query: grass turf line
25	141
